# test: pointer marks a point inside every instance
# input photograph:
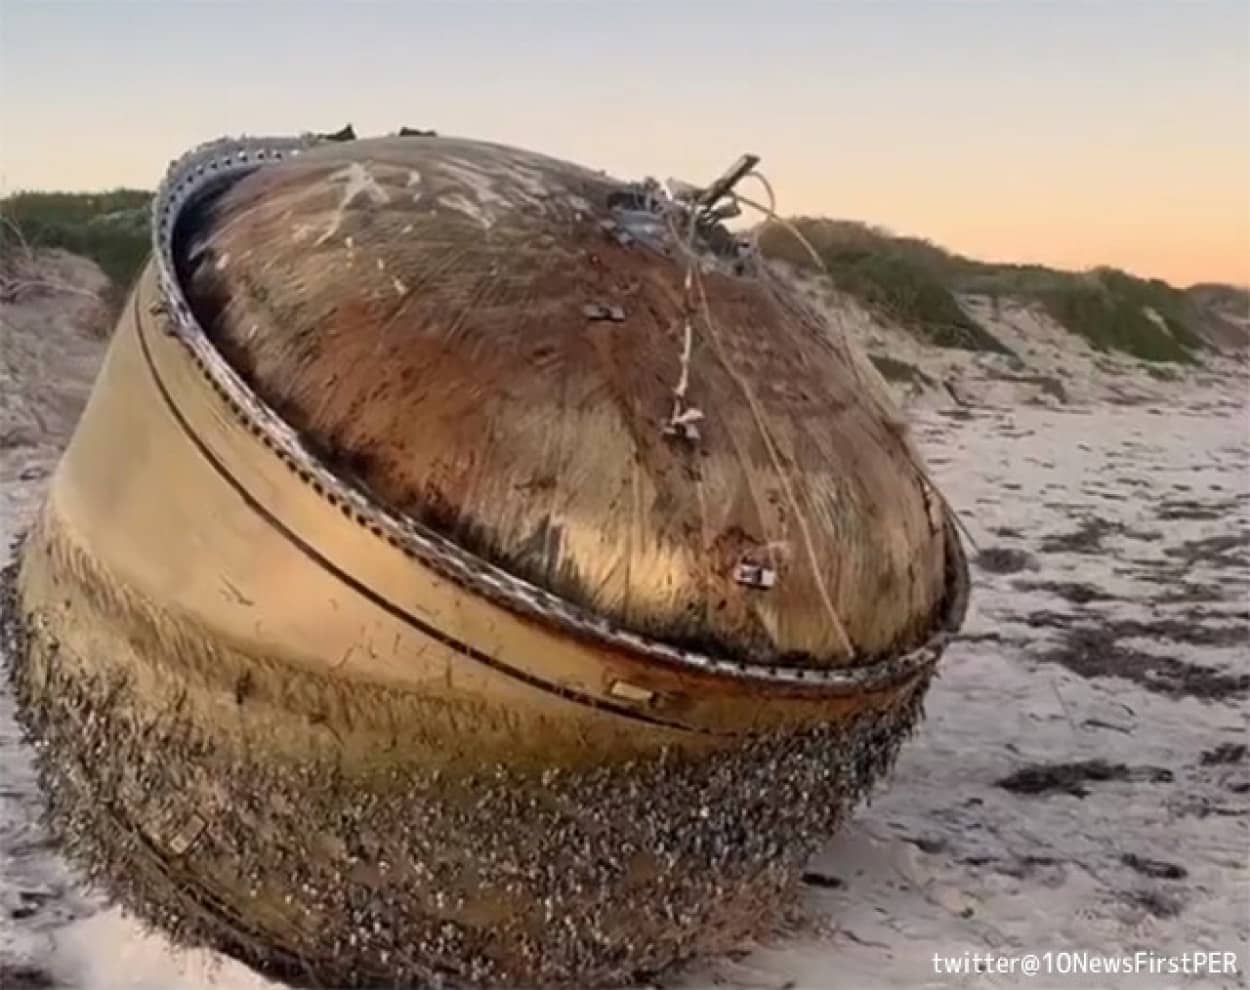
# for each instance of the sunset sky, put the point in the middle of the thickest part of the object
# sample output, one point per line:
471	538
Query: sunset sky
1072	134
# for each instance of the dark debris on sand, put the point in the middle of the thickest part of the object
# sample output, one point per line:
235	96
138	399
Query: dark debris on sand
822	880
1071	778
1157	868
1088	537
1224	753
1095	651
1076	592
1193	629
1004	560
1172	510
21	976
1214	551
1156	903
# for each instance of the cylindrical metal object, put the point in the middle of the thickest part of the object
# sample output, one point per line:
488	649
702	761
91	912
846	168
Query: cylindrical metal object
375	629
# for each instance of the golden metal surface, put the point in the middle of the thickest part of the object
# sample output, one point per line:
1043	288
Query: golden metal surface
277	717
417	311
165	505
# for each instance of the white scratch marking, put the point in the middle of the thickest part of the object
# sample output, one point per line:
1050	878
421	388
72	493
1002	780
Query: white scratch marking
481	185
462	204
400	288
530	179
357	181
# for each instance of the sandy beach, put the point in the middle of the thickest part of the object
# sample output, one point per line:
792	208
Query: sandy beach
1081	782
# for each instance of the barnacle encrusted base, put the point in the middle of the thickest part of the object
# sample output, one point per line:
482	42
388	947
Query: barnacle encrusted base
380	627
408	877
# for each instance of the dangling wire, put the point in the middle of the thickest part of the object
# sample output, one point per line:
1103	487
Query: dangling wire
839	627
684	416
683	420
770	211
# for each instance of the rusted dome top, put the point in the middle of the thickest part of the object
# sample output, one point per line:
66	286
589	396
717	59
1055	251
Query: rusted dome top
495	344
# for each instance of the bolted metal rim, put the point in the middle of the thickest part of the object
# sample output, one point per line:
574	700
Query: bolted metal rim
219	162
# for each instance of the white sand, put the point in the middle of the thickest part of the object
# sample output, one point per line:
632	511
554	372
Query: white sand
943	860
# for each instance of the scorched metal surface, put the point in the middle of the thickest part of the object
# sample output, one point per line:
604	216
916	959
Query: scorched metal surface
468	567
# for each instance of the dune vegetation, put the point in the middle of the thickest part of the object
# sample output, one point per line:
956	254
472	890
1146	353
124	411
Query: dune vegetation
919	285
906	280
110	228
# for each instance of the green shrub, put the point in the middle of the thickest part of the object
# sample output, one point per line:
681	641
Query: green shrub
916	283
902	279
1111	310
111	228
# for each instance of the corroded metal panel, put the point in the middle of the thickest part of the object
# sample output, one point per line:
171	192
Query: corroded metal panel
444	581
418	311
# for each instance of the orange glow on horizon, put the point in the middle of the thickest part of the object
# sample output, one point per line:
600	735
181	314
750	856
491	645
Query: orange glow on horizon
1065	134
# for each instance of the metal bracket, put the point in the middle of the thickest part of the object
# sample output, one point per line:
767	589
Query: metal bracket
724	185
